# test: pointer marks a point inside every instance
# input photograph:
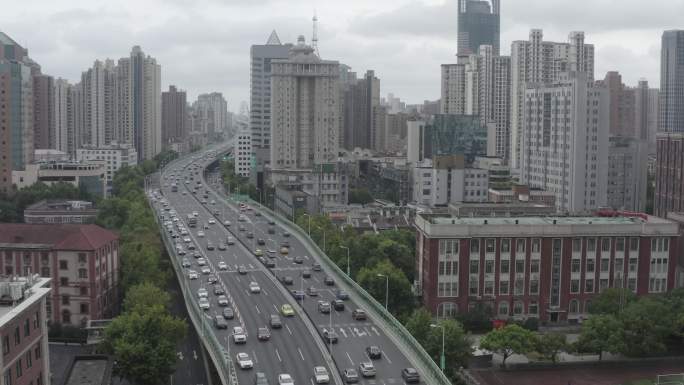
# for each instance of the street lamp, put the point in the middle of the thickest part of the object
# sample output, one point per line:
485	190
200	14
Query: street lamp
441	358
323	230
345	247
309	216
386	289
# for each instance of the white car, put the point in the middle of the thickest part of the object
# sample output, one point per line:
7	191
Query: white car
201	262
254	287
187	239
242	218
195	214
192	274
367	369
206	270
212	221
239	336
186	263
285	379
204	304
222	266
321	375
184	232
244	361
200	234
222	300
226	223
202	293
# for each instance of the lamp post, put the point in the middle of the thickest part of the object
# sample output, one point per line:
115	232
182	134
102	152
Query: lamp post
386	289
345	247
442	360
309	229
323	230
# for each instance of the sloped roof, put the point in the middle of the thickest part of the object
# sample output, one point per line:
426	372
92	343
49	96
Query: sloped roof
273	39
59	237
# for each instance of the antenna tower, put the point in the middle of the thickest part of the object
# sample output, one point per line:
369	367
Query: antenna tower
314	38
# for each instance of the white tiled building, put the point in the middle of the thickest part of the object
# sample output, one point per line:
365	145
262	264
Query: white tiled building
437	186
114	157
243	153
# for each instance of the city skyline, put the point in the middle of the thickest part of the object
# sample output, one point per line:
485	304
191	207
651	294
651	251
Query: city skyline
414	33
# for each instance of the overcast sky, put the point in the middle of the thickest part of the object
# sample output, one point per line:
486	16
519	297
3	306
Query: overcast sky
203	45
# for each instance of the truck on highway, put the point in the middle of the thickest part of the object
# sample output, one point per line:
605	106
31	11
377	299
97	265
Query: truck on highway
192	220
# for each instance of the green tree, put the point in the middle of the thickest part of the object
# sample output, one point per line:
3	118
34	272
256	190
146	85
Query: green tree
418	324
611	300
600	333
645	326
478	319
509	340
457	345
143	344
360	196
113	213
143	296
400	294
551	345
139	264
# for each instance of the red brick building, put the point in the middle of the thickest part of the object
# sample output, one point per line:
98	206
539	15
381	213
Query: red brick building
82	260
544	267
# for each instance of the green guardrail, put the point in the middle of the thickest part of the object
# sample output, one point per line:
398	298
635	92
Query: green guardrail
430	371
220	354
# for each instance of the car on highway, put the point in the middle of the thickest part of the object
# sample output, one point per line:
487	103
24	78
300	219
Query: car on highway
329	281
260	379
341	294
196	254
298	294
373	352
186	263
230	240
210	246
227	223
338	305
204	304
287	310
258	252
222	246
242	218
202	293
306	273
244	361
271	230
263	334
213	202
192	274
220	322
286	234
195	214
239	336
285	251
275	321
201	262
410	375
330	336
241	228
367	369
324	307
350	376
321	375
316	266
271	253
200	234
206	270
285	379
222	300
218	290
212	279
187	239
250	235
287	280
257	213
261	241
270	264
271	222
262	260
222	265
242	270
285	243
359	315
312	291
228	313
212	221
254	287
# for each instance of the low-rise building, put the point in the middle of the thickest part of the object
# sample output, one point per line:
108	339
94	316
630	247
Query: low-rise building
548	268
522	193
513	209
23	330
82	260
60	211
447	180
113	156
90	177
290	201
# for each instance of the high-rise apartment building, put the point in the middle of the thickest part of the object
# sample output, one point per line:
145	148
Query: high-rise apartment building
538	61
453	100
304	114
564	144
672	81
261	57
17	122
146	92
61	115
646	102
43	112
627	173
478	24
669	189
215	109
100	104
622	106
362	100
174	116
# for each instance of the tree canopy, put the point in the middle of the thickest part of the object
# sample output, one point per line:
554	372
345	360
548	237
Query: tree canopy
509	340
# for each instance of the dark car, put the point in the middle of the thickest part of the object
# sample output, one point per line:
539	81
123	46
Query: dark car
261	241
298	260
270	264
228	313
330	336
271	230
359	315
312	292
263	334
275	321
306	273
341	294
298	294
287	280
316	266
374	352
250	235
338	305
271	222
286	234
329	281
410	375
220	322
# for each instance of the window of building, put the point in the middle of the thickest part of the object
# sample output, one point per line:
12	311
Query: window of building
505	266
590	266
45	272
605	245
29	359
504	287
82	273
474	267
37	352
63	265
66	316
519	286
65	299
533	307
534	286
576	265
589	286
620	244
474	247
605	265
534	266
81	257
64	281
489	288
17	336
85	308
27	327
506	245
520	266
18	368
591	245
36	320
517	308
632	284
633	244
503	309
536	245
5	345
490	245
473	287
519	246
489	267
446	310
7	376
574	306
574	286
603	284
576	245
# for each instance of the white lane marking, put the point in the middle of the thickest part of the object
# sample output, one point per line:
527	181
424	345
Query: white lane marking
257	309
288	329
375	330
384	355
278	355
255	357
300	353
344	333
275	307
350	360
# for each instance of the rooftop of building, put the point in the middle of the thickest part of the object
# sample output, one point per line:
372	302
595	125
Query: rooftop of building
63	205
546	220
18	293
55	236
89	370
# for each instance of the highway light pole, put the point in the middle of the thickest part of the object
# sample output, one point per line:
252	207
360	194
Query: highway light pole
442	360
309	229
386	289
345	247
323	230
